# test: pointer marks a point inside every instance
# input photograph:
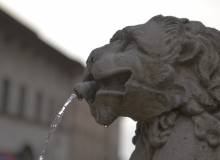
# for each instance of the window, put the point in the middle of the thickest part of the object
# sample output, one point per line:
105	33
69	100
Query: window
38	106
50	110
21	101
5	95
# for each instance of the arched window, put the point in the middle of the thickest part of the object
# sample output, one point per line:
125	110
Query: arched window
38	106
51	110
5	93
26	153
22	100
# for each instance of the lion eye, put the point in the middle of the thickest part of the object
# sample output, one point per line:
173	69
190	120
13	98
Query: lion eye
124	45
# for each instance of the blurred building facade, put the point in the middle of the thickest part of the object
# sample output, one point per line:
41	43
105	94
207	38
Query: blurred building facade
35	80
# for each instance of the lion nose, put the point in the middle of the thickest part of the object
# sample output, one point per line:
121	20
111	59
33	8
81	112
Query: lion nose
86	90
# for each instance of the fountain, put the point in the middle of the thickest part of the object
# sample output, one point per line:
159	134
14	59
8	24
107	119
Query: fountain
164	74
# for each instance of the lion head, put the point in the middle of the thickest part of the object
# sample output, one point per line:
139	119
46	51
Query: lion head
167	64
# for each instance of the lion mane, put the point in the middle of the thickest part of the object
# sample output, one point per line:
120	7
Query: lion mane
169	83
193	51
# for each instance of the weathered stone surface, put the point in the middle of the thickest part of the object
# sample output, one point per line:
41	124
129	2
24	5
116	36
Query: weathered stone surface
165	75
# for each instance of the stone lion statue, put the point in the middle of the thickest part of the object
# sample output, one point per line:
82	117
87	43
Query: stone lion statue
164	74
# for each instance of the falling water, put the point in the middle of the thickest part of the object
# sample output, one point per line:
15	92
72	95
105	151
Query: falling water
54	125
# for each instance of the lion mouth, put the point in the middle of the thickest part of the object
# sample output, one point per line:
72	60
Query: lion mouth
104	93
111	88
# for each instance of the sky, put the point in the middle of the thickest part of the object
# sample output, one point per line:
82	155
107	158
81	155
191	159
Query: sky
76	27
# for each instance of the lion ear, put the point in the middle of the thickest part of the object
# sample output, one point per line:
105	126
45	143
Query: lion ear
189	49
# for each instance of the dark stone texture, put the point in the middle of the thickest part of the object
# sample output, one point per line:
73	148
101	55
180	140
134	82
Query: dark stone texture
165	75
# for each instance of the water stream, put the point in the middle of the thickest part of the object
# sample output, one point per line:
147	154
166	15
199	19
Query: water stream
54	125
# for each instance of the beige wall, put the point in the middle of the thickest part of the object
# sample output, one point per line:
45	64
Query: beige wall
25	67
